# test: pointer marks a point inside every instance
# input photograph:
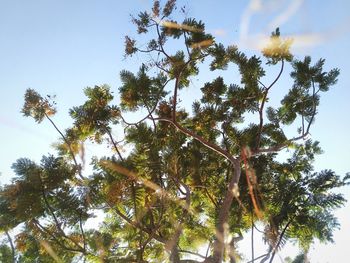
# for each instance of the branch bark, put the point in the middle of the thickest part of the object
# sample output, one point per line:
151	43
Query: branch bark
173	242
219	243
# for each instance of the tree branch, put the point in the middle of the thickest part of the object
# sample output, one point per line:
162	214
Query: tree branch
138	225
13	252
172	244
206	143
264	255
69	147
280	240
150	112
192	253
279	147
175	96
160	43
252	234
314	107
58	225
187	48
261	109
262	232
44	230
82	231
231	191
114	144
223	216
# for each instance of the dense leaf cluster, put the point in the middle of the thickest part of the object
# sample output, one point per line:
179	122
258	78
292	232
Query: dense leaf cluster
190	177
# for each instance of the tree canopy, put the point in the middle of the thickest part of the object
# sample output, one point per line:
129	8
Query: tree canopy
188	176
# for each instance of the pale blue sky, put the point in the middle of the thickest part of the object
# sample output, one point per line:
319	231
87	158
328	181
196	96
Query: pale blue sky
60	47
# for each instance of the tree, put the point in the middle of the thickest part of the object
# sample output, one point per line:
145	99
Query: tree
188	179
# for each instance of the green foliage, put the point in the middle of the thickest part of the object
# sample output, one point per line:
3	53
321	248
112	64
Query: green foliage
303	98
36	106
190	177
95	116
5	254
135	89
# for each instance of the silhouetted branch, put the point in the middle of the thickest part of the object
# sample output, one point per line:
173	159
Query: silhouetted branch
114	144
261	109
192	253
51	211
280	240
55	239
69	147
13	252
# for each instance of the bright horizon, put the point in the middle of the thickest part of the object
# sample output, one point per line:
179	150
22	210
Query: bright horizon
61	47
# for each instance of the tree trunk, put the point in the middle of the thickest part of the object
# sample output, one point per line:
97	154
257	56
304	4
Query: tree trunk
219	243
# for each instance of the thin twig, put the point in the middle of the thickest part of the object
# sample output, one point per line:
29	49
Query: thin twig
44	230
280	240
82	231
192	253
206	143
149	115
69	147
187	48
264	255
58	225
13	252
279	147
114	144
261	109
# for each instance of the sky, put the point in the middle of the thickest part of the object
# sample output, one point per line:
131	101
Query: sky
61	47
